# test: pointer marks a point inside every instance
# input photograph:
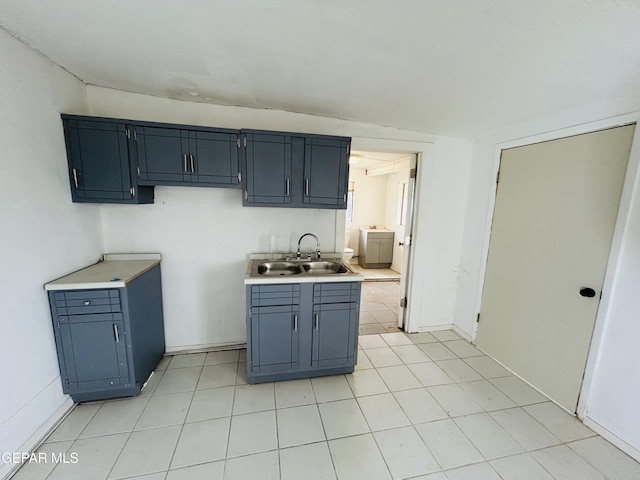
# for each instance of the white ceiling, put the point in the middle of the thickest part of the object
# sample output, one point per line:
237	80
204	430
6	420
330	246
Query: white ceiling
460	68
369	160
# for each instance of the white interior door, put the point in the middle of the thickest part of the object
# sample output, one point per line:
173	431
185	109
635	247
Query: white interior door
403	311
555	212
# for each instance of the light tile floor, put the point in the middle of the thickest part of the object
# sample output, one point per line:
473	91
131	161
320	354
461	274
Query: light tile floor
375	274
379	307
424	406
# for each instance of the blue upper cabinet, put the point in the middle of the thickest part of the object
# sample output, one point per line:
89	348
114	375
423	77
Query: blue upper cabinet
120	161
326	172
101	159
178	155
294	170
267	168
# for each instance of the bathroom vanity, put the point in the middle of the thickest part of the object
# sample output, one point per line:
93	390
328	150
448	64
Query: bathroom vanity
375	248
302	318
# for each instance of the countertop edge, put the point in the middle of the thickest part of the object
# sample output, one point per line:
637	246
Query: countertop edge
153	258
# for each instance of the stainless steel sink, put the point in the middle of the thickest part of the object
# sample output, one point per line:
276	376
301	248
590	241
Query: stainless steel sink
324	268
298	267
273	269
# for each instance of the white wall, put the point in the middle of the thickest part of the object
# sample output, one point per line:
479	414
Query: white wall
394	184
43	236
613	384
442	183
611	393
369	203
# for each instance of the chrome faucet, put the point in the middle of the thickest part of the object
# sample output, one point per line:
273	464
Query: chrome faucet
317	246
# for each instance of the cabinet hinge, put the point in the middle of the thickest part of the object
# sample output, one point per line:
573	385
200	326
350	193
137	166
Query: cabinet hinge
403	302
58	324
251	365
478	318
250	311
413	173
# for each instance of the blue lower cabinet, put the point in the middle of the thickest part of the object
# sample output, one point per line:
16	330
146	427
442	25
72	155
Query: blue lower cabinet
108	341
301	330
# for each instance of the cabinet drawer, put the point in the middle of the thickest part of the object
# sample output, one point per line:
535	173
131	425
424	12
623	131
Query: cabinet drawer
336	292
266	295
82	302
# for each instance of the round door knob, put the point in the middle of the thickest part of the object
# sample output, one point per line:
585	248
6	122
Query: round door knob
400	244
587	292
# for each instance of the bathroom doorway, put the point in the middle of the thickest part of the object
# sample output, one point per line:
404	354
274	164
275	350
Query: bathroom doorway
377	233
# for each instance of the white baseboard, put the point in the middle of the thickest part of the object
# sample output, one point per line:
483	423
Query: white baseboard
36	417
612	438
213	347
434	328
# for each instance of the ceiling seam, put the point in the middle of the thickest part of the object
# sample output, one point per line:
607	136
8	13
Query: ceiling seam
15	35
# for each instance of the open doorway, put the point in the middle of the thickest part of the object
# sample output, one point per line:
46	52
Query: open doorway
377	231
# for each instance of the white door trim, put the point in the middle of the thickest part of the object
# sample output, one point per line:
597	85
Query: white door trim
632	180
422	195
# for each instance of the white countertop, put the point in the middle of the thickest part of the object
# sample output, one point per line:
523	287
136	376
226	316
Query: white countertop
114	271
377	230
250	279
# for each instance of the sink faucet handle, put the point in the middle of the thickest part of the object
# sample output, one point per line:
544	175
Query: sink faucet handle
287	256
309	255
318	254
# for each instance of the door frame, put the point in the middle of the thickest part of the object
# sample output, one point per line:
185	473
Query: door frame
618	234
423	155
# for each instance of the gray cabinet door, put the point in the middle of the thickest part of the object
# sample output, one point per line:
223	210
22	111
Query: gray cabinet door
163	155
215	158
102	161
385	251
274	338
93	350
326	172
334	337
267	168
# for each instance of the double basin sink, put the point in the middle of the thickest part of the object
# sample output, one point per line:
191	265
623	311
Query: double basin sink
305	267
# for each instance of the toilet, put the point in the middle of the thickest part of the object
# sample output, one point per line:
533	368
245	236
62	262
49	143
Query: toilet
347	254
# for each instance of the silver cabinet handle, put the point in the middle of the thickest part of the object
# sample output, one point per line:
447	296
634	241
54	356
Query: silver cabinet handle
86	302
317	320
75	177
192	169
295	322
185	162
288	187
115	331
306	186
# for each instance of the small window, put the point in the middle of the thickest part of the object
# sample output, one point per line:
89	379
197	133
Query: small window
350	202
402	203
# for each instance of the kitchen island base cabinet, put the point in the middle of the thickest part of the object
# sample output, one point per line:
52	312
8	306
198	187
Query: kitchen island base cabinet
301	330
108	340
